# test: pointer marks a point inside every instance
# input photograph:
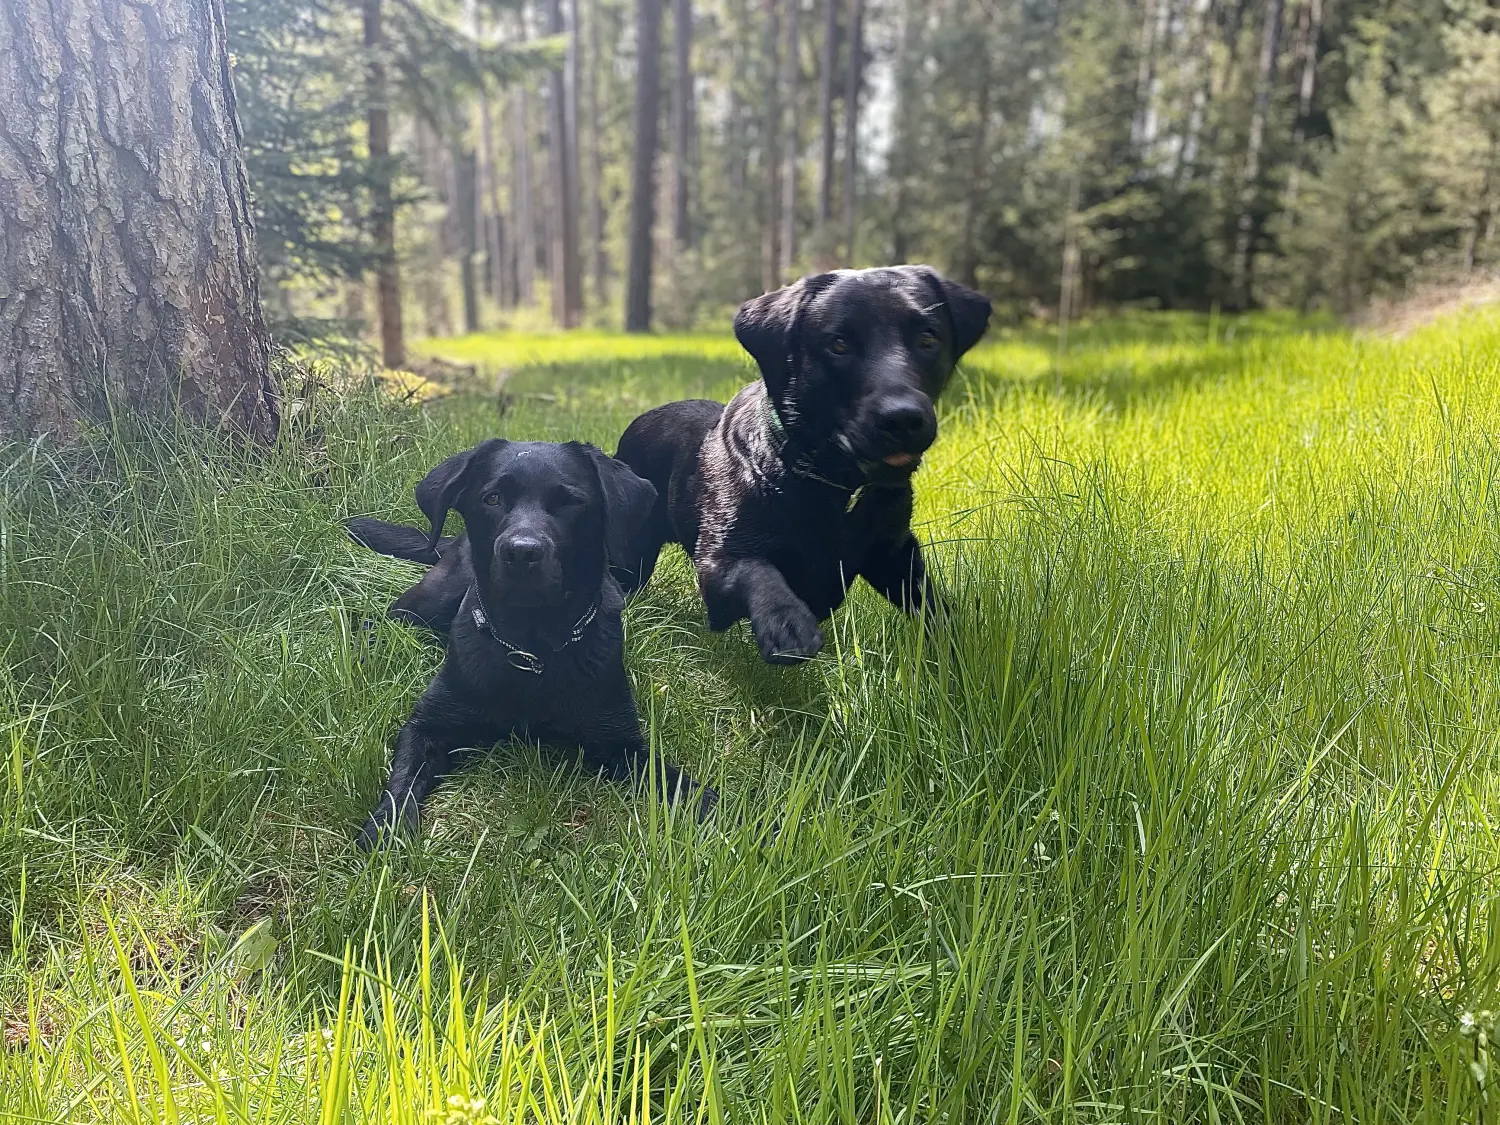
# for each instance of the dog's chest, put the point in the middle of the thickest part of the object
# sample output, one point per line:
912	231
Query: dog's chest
822	555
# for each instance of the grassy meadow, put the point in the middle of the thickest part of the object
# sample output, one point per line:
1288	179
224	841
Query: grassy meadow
1194	820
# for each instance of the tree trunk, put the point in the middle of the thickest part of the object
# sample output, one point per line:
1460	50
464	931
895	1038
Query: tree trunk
968	250
770	244
791	72
567	292
830	64
128	278
523	236
598	255
643	165
1250	182
465	200
1310	27
901	154
574	153
682	122
383	206
1197	76
494	224
853	78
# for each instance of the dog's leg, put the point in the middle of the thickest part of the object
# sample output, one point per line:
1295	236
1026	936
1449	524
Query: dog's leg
423	755
433	602
785	629
632	763
899	573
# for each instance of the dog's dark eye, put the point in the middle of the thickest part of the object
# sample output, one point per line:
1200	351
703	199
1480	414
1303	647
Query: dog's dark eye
927	339
839	346
492	498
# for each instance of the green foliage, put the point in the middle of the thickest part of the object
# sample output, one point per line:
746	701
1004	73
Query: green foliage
1186	816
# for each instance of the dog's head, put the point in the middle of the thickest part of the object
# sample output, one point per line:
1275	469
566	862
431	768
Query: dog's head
543	520
855	359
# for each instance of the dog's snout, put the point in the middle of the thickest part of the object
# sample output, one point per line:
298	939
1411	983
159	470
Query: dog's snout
523	552
907	424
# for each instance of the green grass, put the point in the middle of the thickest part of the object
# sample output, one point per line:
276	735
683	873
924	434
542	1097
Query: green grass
1194	820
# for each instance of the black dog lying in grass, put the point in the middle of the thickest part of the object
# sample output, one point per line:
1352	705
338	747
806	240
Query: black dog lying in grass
804	480
532	615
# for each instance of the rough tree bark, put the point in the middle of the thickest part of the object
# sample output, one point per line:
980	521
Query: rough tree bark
1250	181
791	73
128	278
383	204
682	123
567	288
643	166
853	77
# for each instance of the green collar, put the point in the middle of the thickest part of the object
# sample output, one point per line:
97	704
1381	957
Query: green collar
776	430
773	423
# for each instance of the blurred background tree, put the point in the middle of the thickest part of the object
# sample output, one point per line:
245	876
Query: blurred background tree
1159	153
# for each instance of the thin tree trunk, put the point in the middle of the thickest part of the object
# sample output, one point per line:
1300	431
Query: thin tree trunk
854	75
465	197
1310	27
735	125
827	78
1067	297
524	232
494	226
770	247
383	207
1197	76
682	122
901	154
1250	182
791	72
574	153
567	293
968	250
643	165
598	255
128	279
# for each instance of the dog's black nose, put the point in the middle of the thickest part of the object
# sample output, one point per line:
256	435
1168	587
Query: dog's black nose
906	425
524	551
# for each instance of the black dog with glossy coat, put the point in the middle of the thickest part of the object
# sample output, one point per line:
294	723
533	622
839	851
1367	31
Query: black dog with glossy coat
804	480
532	613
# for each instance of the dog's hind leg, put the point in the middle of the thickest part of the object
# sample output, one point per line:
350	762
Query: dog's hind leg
433	602
634	572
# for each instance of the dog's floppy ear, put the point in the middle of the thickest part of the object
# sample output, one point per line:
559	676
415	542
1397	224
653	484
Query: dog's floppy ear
628	500
969	311
438	491
765	327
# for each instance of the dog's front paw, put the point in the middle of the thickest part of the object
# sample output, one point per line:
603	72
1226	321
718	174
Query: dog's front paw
787	635
385	824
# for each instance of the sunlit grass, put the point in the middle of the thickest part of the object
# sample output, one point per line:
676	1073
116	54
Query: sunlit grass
1192	816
